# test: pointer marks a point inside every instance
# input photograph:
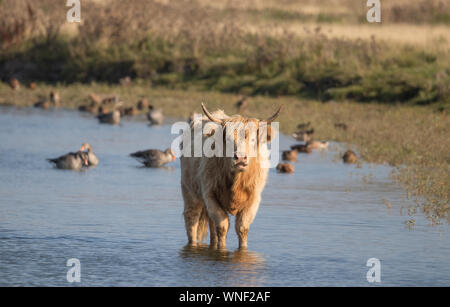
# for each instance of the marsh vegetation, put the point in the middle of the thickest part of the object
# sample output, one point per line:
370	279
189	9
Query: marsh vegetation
253	48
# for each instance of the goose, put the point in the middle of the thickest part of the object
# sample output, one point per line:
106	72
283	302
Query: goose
54	98
91	108
285	168
317	144
127	111
304	148
154	157
114	99
112	118
14	83
95	99
121	111
242	105
112	102
303	126
155	116
72	160
290	155
131	111
349	157
303	135
193	116
103	110
92	158
142	104
44	104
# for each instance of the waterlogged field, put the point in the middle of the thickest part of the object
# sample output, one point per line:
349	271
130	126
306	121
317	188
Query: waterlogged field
413	139
318	226
388	81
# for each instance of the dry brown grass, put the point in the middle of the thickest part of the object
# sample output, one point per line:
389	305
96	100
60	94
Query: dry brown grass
22	20
432	38
117	20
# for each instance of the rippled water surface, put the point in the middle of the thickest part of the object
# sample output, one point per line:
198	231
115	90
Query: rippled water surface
124	223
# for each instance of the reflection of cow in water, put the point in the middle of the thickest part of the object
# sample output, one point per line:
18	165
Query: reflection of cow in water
232	184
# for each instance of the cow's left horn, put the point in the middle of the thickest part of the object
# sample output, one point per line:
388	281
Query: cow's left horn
212	118
272	118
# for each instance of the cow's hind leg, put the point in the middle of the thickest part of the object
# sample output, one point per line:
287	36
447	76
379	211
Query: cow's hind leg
192	213
243	220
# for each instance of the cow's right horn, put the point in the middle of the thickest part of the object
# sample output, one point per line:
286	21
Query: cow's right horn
212	118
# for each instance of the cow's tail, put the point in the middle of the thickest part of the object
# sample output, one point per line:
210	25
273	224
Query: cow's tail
203	225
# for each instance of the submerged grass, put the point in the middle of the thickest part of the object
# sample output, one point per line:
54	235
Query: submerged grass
413	139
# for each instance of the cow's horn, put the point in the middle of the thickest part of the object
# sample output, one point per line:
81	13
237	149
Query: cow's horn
212	118
272	118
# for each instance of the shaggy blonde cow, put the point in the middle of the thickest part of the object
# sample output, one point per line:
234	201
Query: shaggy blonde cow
216	186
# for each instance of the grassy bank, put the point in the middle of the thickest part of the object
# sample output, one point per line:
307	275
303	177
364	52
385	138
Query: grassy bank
412	139
315	66
253	50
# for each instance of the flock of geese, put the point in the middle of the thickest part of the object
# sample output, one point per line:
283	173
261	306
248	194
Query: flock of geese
109	110
305	134
85	157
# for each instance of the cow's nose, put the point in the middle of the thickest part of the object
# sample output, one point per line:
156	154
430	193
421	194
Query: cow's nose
240	156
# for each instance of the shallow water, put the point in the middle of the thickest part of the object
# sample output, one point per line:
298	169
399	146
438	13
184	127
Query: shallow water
124	223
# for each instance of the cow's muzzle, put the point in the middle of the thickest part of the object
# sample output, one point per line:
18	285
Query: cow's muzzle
240	161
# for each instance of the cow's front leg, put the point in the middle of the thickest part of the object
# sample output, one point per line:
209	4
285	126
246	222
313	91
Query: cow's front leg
213	234
192	213
243	220
220	220
191	220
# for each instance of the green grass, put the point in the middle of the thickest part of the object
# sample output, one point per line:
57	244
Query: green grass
315	68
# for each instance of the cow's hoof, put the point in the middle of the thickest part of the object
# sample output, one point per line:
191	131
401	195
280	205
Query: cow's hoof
192	244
